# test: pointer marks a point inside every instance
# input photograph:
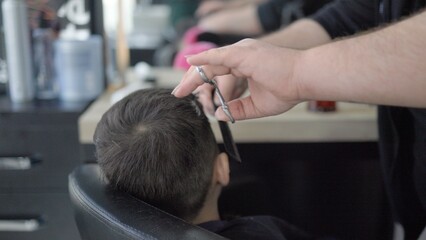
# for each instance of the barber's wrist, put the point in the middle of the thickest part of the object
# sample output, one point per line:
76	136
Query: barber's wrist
299	78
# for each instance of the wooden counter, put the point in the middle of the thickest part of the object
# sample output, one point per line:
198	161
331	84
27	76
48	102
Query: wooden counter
350	123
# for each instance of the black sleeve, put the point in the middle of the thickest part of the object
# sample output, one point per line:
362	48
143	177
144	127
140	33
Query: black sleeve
270	14
346	17
276	13
312	6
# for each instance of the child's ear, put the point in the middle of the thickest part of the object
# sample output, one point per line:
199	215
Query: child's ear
221	169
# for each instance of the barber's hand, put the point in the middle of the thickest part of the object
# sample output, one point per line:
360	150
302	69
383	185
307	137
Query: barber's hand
230	86
268	70
207	7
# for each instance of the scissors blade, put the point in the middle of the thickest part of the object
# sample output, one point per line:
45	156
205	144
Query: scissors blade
225	107
228	142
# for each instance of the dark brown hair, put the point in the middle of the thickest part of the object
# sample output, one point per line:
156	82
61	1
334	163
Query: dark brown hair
159	148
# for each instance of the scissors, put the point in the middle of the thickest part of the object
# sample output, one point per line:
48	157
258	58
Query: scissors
213	82
228	140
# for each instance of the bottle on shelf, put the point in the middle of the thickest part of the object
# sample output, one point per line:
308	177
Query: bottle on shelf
322	106
43	37
18	52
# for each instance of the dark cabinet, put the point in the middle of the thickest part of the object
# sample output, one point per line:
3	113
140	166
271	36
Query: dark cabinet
42	215
38	149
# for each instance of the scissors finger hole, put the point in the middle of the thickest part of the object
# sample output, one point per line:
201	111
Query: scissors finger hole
203	75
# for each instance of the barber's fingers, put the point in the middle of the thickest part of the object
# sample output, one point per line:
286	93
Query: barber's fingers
240	109
230	56
252	107
231	87
214	62
192	79
204	93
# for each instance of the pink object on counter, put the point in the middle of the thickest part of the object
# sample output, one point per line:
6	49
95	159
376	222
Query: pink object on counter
191	35
180	59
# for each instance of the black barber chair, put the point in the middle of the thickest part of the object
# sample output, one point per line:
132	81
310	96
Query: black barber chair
104	213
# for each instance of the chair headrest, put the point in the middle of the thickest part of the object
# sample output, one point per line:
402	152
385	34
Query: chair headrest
104	213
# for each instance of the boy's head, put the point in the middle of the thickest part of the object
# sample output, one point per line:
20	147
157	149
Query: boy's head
160	149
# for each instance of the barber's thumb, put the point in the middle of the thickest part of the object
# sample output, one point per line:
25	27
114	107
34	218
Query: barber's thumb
235	108
205	97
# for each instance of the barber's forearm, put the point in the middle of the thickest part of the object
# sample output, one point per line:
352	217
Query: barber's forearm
385	67
302	34
242	21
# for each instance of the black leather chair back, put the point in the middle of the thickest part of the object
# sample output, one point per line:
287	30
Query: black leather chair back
104	213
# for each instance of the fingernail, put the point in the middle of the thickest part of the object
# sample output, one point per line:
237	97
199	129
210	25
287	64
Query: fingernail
174	90
187	56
